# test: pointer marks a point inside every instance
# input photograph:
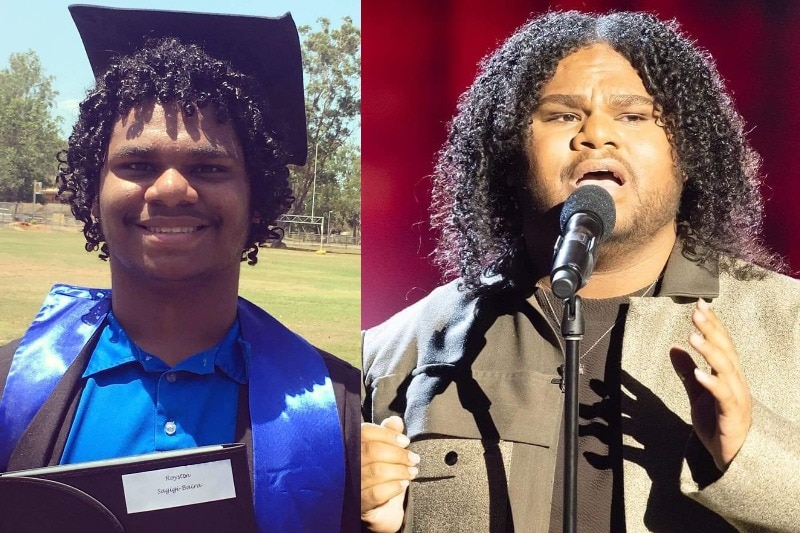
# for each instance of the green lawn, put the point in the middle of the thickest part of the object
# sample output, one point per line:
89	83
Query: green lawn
318	296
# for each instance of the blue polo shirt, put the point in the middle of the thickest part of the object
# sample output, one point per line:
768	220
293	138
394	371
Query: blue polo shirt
135	403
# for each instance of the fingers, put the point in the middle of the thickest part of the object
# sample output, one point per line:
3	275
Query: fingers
386	466
390	431
726	384
395	423
712	340
383	463
376	496
387	471
385	444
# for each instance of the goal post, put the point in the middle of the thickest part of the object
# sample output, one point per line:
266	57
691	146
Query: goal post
305	220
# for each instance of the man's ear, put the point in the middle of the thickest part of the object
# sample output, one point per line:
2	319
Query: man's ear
256	217
96	208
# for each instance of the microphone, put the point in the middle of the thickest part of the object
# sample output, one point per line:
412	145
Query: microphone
587	218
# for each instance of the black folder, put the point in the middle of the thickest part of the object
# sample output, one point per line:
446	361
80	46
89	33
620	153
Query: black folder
204	489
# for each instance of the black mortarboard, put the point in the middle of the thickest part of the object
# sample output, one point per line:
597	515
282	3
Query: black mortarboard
266	48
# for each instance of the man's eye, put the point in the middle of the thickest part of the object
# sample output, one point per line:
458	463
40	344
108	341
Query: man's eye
209	169
633	117
565	117
139	166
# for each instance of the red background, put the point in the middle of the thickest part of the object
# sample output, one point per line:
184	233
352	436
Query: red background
420	55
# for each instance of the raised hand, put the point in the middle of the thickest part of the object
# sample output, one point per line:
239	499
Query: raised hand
386	469
721	404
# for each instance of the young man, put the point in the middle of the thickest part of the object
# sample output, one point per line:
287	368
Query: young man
686	411
178	167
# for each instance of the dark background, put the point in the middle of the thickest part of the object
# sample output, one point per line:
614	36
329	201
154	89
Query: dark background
420	55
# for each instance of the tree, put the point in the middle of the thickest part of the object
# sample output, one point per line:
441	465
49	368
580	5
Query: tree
348	202
29	135
332	67
340	199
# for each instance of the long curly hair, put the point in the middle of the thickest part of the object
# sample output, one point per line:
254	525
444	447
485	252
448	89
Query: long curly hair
475	207
170	71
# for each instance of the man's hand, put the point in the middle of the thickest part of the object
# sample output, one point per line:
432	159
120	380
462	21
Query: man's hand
721	403
386	469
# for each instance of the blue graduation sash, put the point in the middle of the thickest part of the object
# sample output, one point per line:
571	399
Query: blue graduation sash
298	450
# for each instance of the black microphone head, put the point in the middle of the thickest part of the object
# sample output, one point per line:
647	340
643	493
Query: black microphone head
591	199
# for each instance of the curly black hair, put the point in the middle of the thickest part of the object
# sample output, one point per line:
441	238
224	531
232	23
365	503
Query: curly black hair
475	207
170	71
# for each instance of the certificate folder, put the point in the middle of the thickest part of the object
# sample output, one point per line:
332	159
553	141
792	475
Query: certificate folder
204	489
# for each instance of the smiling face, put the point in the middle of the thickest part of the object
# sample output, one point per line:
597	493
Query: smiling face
596	124
174	196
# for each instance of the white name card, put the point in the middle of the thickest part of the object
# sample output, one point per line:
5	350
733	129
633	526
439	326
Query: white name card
178	486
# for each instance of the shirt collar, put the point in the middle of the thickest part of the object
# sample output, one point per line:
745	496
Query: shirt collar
115	348
685	278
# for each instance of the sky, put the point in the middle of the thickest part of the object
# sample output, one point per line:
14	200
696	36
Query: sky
27	25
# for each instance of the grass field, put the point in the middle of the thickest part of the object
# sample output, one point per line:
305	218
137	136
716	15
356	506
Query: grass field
318	296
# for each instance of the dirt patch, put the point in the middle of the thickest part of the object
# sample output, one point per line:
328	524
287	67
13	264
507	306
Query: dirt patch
27	226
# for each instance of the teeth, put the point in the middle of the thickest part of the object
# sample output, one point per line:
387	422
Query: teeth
172	230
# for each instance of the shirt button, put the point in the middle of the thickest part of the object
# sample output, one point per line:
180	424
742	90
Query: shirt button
170	428
171	377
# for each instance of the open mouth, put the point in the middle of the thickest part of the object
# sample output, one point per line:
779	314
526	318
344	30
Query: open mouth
601	175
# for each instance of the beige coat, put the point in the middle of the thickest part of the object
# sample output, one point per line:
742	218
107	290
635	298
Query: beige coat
487	421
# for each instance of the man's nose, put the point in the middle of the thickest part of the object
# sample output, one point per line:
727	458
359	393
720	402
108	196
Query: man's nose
597	131
171	188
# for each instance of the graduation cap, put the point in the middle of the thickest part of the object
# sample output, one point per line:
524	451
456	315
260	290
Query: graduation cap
265	48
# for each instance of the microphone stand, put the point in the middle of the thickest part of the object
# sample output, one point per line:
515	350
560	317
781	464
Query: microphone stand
572	329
